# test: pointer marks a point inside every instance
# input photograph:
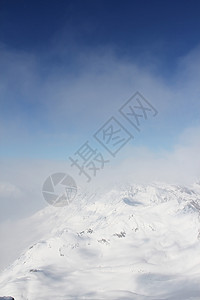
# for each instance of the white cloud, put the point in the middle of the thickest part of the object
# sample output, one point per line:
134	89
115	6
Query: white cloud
72	104
8	190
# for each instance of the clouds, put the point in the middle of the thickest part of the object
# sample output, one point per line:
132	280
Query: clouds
21	181
57	95
180	165
8	190
50	107
48	94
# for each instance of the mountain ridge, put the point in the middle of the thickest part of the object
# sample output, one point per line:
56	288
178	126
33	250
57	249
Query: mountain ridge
133	242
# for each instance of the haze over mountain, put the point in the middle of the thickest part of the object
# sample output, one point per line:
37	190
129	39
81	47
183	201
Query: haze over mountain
132	242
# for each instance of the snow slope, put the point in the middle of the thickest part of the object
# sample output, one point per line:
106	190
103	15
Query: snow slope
133	242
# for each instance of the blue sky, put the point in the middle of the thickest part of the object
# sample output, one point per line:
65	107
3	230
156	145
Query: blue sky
66	41
68	66
133	27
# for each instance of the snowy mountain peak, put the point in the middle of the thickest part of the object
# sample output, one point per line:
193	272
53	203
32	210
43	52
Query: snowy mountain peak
127	243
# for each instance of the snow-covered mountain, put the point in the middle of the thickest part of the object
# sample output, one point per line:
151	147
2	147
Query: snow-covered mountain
133	242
